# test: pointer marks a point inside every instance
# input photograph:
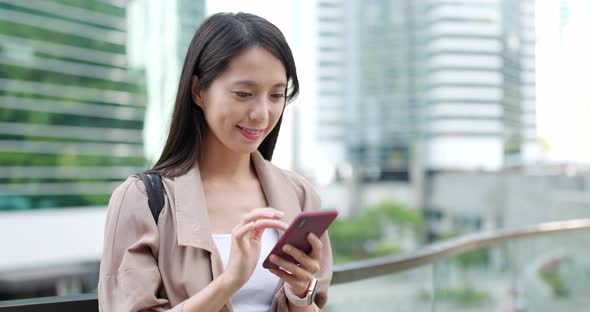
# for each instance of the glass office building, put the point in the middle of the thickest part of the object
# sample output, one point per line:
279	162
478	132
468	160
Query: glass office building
71	109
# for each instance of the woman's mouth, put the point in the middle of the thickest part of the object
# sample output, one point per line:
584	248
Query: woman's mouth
251	134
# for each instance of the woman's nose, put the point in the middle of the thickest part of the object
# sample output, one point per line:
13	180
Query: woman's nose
260	110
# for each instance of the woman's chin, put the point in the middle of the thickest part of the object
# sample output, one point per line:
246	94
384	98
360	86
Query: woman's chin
245	148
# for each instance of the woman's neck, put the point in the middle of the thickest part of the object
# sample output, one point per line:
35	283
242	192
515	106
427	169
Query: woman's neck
217	162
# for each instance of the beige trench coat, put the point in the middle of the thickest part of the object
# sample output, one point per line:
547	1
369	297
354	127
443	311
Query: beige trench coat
146	267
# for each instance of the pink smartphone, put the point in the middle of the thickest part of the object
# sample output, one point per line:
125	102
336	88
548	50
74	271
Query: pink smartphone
316	222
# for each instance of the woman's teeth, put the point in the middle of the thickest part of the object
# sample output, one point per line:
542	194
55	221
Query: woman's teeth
254	132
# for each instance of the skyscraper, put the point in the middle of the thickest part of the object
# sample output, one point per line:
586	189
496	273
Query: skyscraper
455	79
71	109
384	116
530	147
475	81
336	43
364	84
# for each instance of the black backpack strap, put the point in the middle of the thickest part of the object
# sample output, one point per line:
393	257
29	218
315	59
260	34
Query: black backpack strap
155	192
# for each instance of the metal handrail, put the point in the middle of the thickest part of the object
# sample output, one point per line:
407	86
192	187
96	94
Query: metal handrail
350	272
75	303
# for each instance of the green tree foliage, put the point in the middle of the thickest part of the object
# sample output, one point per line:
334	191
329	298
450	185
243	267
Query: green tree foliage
364	237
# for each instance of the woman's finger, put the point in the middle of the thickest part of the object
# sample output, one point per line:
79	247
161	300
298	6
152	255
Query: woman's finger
288	278
308	263
316	246
262	224
242	229
257	227
295	285
262	213
298	272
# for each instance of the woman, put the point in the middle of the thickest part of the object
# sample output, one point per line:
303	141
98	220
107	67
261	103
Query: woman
206	250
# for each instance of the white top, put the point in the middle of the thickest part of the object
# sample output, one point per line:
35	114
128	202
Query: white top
257	294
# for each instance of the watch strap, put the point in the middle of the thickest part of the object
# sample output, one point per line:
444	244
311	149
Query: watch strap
296	300
309	294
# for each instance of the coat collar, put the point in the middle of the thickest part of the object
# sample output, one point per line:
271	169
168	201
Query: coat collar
278	189
192	219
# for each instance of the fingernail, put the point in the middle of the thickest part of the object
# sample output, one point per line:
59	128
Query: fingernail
280	213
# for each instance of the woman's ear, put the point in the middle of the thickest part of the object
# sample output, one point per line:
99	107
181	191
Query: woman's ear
196	91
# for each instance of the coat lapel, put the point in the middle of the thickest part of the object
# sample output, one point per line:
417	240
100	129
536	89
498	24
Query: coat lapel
192	218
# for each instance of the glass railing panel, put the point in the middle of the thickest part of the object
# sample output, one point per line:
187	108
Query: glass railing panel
479	280
406	291
555	272
545	273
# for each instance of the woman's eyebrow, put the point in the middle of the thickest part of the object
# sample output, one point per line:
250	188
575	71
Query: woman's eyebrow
251	83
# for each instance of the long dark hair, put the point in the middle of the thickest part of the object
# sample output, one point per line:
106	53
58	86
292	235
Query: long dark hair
218	39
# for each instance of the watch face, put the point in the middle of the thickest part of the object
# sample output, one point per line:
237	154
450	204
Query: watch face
312	291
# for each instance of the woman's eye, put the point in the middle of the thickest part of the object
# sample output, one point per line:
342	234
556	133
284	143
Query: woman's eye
242	94
278	95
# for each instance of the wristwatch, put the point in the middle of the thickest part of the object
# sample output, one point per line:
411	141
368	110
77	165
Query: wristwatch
308	299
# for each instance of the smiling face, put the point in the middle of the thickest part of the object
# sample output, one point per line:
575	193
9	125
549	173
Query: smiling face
244	103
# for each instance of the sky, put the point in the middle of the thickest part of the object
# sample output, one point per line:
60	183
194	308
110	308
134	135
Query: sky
563	64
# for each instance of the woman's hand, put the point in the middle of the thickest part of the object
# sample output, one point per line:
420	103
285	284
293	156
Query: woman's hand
299	276
245	244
